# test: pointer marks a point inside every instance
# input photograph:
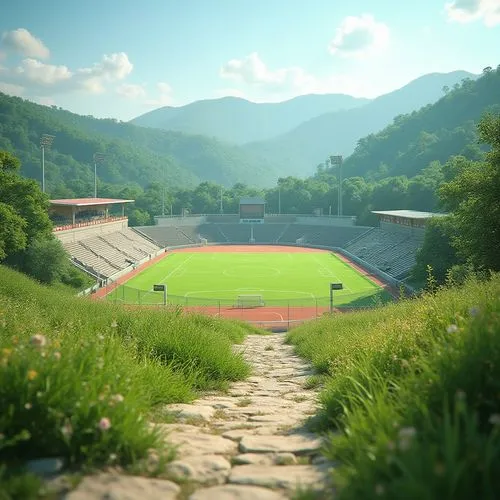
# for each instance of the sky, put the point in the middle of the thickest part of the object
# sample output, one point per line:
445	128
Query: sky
122	58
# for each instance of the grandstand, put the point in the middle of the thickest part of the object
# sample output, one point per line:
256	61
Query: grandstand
98	240
393	246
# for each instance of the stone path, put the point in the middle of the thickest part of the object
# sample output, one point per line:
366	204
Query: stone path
248	444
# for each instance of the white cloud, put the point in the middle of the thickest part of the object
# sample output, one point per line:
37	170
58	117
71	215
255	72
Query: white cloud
164	96
23	42
358	36
131	91
10	89
39	78
253	71
262	84
466	11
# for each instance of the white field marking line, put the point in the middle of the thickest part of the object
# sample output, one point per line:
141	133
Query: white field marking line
332	276
178	267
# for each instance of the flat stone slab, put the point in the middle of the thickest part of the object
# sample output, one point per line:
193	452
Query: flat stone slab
212	469
297	444
278	476
185	411
190	444
234	492
121	487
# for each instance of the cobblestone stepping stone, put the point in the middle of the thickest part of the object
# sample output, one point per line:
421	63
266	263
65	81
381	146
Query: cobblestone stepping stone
246	444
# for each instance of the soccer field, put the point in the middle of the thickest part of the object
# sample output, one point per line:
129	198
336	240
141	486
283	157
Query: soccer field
203	277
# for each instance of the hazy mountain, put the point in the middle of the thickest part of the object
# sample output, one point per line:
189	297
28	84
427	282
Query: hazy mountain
239	121
133	154
299	152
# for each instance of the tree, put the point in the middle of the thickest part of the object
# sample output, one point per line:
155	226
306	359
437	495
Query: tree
46	260
474	199
12	235
436	251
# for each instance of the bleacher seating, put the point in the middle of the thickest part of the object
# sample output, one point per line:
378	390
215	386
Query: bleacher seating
391	252
110	253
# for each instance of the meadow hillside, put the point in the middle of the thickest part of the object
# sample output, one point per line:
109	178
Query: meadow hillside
299	151
411	394
80	379
239	121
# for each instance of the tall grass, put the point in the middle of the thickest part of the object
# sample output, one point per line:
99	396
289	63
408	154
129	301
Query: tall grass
78	378
413	395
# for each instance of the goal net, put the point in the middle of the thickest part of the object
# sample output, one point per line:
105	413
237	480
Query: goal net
245	301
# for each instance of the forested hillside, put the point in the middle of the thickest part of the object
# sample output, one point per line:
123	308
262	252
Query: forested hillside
133	154
239	121
338	133
435	132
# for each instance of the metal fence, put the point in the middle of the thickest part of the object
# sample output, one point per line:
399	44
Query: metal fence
271	313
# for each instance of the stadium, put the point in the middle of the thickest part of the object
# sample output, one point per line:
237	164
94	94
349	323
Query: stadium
272	270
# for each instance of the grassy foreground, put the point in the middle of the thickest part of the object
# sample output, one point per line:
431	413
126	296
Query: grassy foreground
412	395
79	379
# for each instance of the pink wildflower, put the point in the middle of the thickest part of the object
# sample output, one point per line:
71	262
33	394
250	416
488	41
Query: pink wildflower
104	424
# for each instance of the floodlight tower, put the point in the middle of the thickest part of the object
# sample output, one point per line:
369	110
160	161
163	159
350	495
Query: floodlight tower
98	158
337	160
46	141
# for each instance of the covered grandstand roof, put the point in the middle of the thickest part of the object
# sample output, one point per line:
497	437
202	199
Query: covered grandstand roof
409	214
252	201
85	202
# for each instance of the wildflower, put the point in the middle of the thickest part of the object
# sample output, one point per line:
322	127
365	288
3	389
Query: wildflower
67	429
406	435
405	363
56	344
38	340
474	311
460	395
113	457
57	355
39	394
494	419
101	397
28	406
117	398
2	436
379	489
452	328
104	424
100	336
6	352
15	339
114	324
32	374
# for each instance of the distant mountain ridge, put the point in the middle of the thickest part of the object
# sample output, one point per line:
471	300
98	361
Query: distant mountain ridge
239	121
302	149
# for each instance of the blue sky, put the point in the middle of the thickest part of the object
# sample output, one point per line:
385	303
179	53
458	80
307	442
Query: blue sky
119	59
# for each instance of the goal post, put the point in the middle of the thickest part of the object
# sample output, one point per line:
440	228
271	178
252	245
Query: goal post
251	300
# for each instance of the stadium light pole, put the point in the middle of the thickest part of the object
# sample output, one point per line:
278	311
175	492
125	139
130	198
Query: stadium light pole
337	160
98	157
163	195
221	207
279	200
45	142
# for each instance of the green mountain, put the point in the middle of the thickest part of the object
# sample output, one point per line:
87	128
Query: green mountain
435	132
133	154
302	149
239	121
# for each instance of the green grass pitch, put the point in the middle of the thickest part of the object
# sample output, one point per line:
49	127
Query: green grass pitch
204	278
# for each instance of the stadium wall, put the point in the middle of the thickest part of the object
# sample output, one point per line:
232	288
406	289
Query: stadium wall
80	233
326	221
173	221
